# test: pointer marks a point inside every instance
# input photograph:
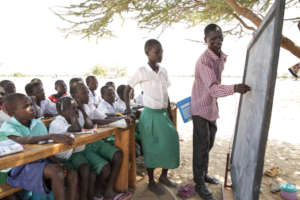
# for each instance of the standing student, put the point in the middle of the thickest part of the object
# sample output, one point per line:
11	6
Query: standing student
158	135
9	86
206	90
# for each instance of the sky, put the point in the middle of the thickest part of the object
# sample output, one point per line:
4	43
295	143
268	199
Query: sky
31	43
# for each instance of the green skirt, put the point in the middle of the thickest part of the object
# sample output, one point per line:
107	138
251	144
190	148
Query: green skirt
159	139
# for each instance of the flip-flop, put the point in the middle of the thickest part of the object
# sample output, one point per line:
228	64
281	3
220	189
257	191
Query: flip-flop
123	196
272	172
186	191
98	198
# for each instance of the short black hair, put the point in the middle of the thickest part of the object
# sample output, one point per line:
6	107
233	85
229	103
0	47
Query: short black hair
120	90
29	87
90	78
75	86
36	80
111	84
63	103
58	82
11	101
211	27
150	44
74	80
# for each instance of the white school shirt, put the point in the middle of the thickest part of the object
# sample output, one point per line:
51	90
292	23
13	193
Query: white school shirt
60	126
121	105
48	107
106	107
94	99
91	112
155	86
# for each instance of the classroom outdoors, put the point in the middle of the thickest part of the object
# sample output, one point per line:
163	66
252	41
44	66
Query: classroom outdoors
118	100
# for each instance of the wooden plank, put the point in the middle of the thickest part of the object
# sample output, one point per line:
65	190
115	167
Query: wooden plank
122	142
6	190
132	159
34	152
227	193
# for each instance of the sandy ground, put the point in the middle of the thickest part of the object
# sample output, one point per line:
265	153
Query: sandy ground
283	147
281	154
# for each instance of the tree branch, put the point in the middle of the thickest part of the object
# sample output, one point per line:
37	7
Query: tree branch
243	23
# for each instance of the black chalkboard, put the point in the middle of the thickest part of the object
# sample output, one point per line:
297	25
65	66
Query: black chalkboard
255	107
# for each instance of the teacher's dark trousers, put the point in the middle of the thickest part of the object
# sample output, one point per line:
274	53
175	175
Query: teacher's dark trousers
204	133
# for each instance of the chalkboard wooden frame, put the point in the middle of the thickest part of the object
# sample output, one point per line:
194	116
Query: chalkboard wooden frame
275	13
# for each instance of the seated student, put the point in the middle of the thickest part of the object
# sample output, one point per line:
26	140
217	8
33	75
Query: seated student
121	101
112	84
9	86
43	107
61	88
104	158
108	105
3	116
40	176
67	121
92	83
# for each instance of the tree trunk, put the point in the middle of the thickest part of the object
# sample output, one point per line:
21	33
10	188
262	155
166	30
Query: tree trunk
285	43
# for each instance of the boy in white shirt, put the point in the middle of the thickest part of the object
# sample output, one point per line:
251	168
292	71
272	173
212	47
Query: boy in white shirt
66	122
108	105
43	107
92	83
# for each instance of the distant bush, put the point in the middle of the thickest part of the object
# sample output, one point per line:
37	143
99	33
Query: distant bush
113	72
18	74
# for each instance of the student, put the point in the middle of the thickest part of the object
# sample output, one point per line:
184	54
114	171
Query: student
92	83
108	104
66	122
9	86
104	158
36	80
112	84
158	135
43	107
3	116
39	176
204	108
75	80
61	88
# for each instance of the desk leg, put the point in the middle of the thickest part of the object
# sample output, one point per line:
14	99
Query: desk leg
122	142
132	159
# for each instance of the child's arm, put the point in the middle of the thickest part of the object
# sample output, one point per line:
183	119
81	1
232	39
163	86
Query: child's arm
88	123
75	126
59	138
127	98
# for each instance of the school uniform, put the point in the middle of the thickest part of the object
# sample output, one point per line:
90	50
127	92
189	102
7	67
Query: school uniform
106	107
101	152
46	107
28	176
207	88
72	158
157	133
94	99
3	117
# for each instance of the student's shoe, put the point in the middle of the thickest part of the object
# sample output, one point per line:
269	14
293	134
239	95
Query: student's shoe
204	192
211	180
167	182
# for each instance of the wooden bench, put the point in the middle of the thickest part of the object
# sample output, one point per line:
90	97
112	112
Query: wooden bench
124	140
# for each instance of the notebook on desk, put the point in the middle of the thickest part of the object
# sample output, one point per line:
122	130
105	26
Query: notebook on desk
9	147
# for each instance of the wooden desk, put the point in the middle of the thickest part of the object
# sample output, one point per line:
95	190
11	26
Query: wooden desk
124	140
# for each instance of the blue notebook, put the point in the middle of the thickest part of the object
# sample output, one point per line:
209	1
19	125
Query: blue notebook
184	107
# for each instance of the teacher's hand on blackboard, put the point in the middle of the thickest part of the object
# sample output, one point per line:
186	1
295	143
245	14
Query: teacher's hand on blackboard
241	88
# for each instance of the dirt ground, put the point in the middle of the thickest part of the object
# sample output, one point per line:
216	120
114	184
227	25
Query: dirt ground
284	155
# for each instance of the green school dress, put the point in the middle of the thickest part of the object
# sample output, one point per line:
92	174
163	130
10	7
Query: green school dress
159	139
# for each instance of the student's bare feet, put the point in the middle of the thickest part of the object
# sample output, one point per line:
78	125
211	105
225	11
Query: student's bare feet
156	188
164	180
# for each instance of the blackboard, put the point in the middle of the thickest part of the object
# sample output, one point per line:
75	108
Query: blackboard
255	107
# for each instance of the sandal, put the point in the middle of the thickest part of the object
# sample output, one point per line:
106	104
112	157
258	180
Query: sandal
272	172
186	191
123	196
